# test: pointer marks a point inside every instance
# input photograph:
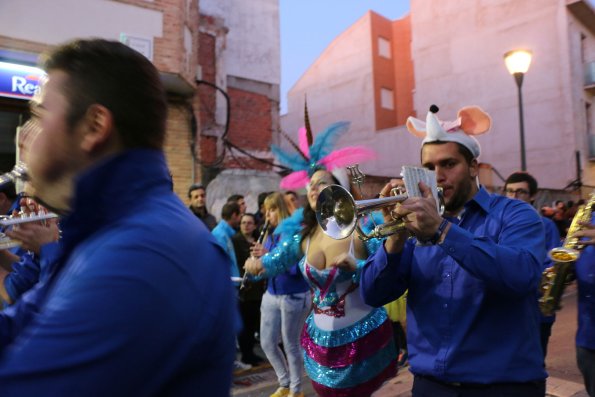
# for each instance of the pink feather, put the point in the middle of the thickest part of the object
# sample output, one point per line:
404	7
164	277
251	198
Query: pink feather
349	155
303	141
295	180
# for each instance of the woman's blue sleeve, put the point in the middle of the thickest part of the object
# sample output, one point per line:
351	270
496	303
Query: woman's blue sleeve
287	253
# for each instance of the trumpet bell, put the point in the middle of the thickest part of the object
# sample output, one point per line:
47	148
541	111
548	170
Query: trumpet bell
336	212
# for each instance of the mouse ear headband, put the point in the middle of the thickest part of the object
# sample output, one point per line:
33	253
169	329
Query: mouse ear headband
313	154
471	120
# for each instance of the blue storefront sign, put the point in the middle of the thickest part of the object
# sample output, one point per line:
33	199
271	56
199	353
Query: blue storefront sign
19	81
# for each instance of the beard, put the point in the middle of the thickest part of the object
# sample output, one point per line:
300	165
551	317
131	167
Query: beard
54	196
460	196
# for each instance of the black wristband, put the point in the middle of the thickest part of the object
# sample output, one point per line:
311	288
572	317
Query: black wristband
439	232
436	237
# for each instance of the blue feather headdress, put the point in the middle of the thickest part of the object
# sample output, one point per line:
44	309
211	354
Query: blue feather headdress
316	154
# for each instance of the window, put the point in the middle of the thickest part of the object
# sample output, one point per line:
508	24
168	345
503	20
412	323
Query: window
384	47
387	99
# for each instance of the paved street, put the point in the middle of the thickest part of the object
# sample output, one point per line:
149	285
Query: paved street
564	381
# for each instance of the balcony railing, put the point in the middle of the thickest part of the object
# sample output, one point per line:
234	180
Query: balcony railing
592	147
590	76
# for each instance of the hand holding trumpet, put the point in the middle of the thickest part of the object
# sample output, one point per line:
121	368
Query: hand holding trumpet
420	214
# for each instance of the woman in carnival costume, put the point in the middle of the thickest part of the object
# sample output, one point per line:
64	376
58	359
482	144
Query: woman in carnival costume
285	305
348	345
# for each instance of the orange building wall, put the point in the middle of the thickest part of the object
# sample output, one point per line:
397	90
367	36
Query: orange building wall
396	73
403	62
383	71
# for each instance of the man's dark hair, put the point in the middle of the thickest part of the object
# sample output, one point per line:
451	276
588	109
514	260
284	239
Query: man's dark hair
229	209
249	214
195	187
234	198
466	153
521	176
9	190
119	78
261	198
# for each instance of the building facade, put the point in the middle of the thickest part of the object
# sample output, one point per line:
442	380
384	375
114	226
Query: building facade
451	54
364	76
228	49
240	47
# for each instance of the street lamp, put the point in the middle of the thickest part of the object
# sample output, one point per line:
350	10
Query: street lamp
517	63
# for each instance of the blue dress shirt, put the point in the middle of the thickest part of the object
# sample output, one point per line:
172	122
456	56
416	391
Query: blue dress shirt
472	303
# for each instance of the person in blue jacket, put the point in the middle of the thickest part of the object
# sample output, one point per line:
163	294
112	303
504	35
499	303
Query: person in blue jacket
585	279
133	305
472	275
523	186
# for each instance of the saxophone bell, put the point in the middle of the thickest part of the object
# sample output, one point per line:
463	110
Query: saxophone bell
563	255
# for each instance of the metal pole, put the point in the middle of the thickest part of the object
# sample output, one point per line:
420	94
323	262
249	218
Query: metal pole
519	82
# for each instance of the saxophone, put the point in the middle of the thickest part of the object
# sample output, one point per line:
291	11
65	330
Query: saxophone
554	278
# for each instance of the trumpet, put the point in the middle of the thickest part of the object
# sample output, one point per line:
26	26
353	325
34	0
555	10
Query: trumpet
338	214
19	172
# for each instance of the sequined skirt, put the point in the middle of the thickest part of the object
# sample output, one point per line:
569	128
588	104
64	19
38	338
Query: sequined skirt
351	361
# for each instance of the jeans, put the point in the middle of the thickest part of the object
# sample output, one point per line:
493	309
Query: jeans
282	318
585	358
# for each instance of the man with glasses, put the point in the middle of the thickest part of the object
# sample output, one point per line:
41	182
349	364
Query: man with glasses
523	186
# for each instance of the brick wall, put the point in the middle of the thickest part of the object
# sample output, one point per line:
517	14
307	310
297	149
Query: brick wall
253	115
170	56
250	125
208	131
177	147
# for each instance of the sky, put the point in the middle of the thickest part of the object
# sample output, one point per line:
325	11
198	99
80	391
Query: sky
309	26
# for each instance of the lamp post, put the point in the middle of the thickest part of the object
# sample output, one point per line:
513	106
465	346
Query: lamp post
517	63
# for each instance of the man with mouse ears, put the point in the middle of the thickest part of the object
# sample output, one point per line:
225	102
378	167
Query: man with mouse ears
133	306
472	274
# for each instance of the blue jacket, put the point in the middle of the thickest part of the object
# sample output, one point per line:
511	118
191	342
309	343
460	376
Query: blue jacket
290	282
223	234
472	302
585	279
134	305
